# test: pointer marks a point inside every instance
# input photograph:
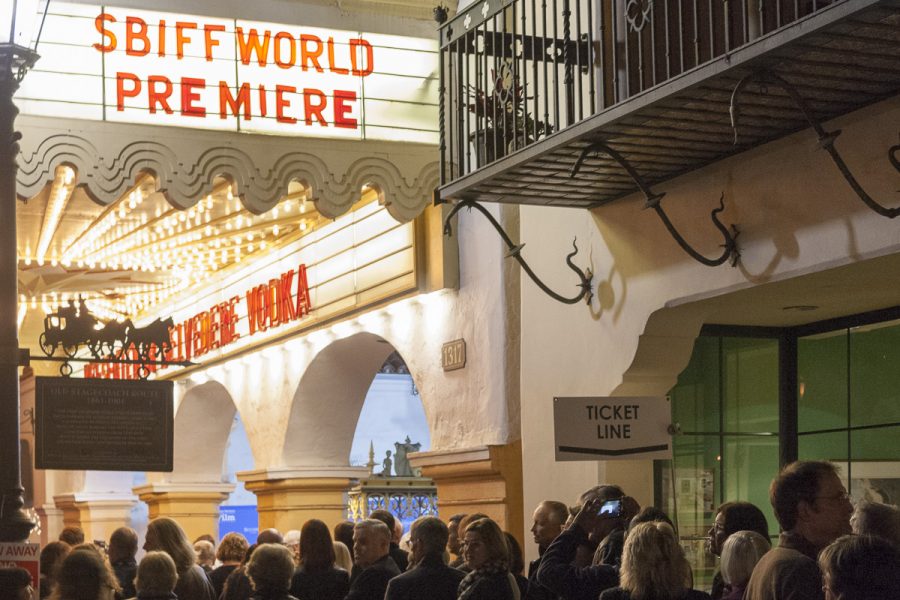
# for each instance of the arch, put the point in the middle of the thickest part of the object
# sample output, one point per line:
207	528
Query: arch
665	346
329	398
202	426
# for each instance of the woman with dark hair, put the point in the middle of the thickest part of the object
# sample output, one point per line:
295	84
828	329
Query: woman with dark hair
15	583
230	553
860	567
164	534
516	563
653	567
52	556
732	517
487	557
317	578
85	575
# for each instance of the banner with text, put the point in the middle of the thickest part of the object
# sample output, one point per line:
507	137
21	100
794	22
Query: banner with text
610	428
25	556
159	68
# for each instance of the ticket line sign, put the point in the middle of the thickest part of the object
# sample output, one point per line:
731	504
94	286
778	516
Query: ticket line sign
610	428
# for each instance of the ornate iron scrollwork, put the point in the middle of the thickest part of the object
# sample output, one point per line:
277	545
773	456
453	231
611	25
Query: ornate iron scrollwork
515	251
826	138
637	13
652	200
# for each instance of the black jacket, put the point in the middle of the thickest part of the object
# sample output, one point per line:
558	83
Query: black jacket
401	557
193	584
557	573
372	582
535	590
431	579
496	586
618	593
327	585
125	571
237	586
219	576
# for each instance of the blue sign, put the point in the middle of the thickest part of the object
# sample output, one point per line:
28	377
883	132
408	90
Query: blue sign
241	519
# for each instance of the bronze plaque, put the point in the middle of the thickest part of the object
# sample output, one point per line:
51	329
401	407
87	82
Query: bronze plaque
453	355
103	424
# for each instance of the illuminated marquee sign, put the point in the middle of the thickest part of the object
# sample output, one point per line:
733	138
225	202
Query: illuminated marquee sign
129	65
278	302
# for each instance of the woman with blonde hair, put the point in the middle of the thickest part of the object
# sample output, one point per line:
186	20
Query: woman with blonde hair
164	534
740	553
230	553
487	557
342	558
653	567
85	575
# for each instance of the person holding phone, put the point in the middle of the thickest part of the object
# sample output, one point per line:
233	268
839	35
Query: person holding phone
604	510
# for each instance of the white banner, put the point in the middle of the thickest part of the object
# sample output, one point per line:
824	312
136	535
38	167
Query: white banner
158	68
610	428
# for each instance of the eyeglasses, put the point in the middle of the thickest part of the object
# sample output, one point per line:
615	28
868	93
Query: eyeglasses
844	496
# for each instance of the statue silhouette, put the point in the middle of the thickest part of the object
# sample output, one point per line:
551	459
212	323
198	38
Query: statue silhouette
386	465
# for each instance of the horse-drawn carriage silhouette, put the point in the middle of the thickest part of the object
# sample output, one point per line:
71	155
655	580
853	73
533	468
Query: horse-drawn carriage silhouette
72	328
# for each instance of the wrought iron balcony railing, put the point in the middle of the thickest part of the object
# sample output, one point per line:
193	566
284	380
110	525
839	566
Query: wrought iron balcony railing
515	72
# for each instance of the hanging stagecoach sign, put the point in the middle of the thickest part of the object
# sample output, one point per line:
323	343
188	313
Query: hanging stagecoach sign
83	424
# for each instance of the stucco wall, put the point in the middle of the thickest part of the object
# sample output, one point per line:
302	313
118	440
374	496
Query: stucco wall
796	215
295	415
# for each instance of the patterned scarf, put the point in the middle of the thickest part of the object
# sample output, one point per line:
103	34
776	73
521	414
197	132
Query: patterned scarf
486	570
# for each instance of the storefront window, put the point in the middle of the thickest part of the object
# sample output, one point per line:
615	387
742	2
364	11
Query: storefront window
849	406
727	406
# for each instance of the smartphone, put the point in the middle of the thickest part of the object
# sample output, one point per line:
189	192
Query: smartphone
610	508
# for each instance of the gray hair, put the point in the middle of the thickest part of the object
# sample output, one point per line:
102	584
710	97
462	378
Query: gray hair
740	553
375	526
874	518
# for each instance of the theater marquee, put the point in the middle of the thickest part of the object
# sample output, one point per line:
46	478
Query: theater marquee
136	66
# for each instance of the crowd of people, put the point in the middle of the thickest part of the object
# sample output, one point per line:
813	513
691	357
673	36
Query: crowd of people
604	547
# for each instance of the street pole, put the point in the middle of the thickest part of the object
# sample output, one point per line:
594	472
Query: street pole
15	526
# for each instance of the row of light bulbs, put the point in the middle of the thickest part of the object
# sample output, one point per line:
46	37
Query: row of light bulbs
180	247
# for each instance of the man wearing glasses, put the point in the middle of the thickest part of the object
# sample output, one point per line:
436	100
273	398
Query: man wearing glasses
813	508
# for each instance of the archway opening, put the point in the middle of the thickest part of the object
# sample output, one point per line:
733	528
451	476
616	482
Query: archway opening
357	396
392	424
238	512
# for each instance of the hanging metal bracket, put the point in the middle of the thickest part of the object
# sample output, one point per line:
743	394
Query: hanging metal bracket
515	251
826	138
652	200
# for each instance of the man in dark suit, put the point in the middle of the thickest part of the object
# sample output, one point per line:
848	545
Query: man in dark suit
428	577
549	519
375	567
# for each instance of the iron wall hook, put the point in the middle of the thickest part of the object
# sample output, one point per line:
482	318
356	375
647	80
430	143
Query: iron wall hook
652	200
515	251
826	138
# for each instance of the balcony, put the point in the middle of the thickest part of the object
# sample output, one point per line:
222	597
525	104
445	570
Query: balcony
530	86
